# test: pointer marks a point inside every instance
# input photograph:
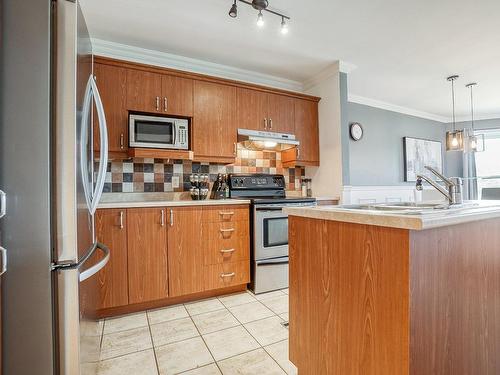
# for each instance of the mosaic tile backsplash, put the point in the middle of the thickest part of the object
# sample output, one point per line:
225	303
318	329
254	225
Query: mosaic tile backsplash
158	175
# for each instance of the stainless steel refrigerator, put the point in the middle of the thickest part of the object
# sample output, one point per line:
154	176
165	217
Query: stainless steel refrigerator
52	183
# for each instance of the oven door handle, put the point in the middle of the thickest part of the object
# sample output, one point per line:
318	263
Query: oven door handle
174	136
271	262
269	208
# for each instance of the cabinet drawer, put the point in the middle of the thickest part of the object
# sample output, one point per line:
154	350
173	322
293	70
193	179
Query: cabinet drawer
230	250
224	231
227	213
227	274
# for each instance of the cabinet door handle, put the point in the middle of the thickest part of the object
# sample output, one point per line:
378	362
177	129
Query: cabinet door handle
235	149
227	230
226	213
171	217
122	141
223	275
298	153
271	123
228	251
121	219
157	103
165	104
265	123
162	221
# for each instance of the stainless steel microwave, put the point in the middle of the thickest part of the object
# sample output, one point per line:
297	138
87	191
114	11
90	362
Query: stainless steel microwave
158	132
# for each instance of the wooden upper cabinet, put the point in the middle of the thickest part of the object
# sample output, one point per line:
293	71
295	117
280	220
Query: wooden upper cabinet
144	91
177	95
111	230
147	254
281	115
112	84
185	251
214	122
251	109
307	131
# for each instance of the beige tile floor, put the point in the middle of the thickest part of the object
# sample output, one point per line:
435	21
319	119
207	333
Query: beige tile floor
236	334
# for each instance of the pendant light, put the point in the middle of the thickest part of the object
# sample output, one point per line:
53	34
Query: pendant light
473	141
454	138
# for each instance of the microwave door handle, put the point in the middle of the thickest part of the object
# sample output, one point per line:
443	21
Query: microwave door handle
175	128
103	160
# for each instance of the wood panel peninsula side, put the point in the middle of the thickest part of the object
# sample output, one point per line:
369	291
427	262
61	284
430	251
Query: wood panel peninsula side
393	294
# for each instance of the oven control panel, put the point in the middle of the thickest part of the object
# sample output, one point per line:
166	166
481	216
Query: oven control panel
251	182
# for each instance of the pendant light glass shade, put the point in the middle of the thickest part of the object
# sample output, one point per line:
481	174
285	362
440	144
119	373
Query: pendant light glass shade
454	138
455	141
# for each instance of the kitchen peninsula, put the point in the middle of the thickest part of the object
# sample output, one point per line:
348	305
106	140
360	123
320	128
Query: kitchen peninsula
381	292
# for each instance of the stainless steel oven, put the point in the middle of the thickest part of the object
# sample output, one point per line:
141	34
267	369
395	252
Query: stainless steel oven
270	245
158	132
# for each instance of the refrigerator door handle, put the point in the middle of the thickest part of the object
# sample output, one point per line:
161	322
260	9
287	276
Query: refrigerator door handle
4	260
93	195
3	204
103	160
96	267
90	271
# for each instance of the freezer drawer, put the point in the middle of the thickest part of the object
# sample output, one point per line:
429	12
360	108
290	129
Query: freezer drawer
269	275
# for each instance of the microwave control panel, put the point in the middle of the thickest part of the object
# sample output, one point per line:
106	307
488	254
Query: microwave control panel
182	136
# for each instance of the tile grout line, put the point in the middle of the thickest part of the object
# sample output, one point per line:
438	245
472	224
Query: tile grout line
261	346
203	339
153	344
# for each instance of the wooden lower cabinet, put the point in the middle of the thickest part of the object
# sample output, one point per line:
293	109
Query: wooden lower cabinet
111	230
147	254
185	251
227	274
166	253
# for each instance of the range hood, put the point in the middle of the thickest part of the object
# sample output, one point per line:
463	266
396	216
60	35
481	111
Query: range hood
262	140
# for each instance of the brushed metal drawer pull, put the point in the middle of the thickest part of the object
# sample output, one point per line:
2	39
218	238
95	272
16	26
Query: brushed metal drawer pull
223	275
226	230
121	219
228	251
226	213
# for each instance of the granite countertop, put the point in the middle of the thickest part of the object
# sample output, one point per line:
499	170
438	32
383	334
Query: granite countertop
471	211
137	200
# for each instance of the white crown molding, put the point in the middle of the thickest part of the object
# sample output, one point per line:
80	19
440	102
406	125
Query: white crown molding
396	108
167	60
492	116
331	70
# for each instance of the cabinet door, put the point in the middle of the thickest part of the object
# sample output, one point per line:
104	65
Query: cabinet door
251	109
214	122
112	84
177	96
110	227
185	251
281	114
144	91
147	254
306	130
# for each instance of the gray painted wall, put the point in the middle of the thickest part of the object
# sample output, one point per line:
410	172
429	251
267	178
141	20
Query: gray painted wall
344	131
377	159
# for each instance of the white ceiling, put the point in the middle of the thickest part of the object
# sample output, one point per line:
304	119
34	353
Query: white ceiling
403	50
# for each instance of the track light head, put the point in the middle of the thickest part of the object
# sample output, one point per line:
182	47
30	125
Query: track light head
260	19
284	26
260	4
233	12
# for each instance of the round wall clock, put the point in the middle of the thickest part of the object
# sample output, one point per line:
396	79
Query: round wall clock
356	131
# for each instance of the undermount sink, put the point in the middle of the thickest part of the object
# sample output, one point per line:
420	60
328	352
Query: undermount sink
408	207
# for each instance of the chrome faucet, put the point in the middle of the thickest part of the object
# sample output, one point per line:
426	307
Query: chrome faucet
454	185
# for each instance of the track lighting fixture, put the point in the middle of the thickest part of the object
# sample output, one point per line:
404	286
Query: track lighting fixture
233	12
261	5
